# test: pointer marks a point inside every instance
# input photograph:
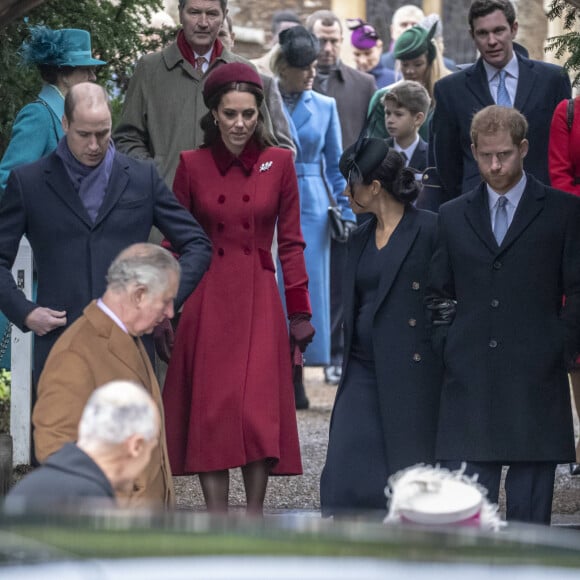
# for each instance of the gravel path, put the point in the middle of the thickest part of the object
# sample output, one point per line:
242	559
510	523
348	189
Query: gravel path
301	493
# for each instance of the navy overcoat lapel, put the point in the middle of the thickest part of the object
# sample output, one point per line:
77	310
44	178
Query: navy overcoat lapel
394	254
58	181
117	184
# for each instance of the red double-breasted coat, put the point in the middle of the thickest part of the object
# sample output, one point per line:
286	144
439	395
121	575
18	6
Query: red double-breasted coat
228	395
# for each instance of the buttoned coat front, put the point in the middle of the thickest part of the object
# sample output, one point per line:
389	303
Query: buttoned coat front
92	352
72	254
505	393
228	393
408	374
541	86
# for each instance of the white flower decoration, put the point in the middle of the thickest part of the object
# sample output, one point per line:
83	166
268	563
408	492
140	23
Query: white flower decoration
265	166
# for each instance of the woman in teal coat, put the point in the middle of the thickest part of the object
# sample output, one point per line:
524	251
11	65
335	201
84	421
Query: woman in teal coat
63	58
315	128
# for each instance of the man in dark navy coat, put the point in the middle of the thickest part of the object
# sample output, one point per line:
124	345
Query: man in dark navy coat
508	251
533	87
79	207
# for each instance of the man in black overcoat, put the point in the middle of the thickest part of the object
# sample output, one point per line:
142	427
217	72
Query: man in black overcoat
505	397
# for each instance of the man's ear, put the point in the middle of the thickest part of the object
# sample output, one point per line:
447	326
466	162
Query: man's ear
138	293
65	125
134	445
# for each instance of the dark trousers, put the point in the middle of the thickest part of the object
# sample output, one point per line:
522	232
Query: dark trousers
529	487
337	266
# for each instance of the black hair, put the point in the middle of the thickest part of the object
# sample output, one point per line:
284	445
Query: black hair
393	176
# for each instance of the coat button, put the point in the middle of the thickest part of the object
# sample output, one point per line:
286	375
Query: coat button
417	357
415	286
246	225
222	199
497	265
247	251
412	322
221	227
246	197
494	303
492	343
221	252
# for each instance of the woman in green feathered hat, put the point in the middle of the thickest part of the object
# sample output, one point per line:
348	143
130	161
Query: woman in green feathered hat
421	61
63	58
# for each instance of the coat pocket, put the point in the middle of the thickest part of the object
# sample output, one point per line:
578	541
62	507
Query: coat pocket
266	260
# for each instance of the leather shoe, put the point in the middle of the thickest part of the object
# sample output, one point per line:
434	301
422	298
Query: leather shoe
332	374
574	468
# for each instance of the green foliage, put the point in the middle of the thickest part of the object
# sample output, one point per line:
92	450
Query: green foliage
568	43
4	401
118	37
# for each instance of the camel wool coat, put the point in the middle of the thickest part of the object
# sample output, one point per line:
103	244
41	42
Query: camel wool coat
93	351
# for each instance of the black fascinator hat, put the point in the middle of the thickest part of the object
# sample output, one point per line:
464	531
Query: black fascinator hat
359	160
299	47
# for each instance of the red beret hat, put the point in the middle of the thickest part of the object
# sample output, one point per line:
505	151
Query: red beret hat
229	73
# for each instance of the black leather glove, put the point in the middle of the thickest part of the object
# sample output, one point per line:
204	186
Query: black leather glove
301	330
163	338
348	229
442	311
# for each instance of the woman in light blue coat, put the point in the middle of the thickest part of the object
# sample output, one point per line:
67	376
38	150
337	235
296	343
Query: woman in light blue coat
63	58
315	128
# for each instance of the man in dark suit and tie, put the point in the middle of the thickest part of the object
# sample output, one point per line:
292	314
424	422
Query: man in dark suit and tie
507	253
79	207
499	76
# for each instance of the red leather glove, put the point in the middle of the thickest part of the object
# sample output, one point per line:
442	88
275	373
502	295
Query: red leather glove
163	338
301	331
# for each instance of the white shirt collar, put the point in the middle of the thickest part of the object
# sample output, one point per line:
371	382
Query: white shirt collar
112	315
207	55
511	68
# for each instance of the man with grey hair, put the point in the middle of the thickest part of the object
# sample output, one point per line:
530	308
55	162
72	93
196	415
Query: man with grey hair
104	345
117	433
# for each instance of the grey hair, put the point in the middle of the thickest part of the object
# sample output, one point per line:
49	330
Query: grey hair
143	264
115	412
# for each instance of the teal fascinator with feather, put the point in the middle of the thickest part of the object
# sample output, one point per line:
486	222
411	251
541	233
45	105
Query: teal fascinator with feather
66	47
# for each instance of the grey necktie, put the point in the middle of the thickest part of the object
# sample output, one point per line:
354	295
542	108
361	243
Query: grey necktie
503	97
500	224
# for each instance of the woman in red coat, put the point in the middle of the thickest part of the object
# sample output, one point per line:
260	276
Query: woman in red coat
564	167
229	398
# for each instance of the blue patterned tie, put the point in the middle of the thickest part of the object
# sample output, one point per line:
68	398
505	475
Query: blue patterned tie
500	225
503	97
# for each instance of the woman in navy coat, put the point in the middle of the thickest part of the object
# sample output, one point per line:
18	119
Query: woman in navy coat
385	414
315	127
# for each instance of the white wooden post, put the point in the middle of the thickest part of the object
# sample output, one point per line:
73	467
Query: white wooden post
21	365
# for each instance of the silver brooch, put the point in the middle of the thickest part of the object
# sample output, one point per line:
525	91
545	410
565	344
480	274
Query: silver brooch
265	166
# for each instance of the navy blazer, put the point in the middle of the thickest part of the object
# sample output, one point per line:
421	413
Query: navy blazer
505	393
541	86
72	254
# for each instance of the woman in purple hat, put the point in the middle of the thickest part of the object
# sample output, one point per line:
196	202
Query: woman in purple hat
367	49
228	394
63	58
